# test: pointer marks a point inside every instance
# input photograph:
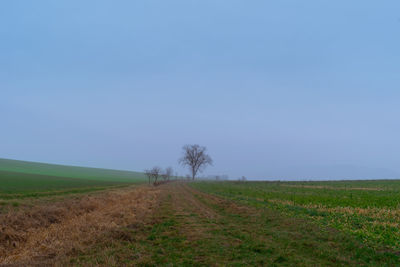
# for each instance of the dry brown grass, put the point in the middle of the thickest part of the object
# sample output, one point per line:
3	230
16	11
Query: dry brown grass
48	233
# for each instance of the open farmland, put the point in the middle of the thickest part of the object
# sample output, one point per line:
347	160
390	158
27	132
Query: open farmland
209	224
366	210
21	179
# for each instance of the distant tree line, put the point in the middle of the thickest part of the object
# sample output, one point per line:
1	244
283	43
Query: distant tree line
194	157
156	172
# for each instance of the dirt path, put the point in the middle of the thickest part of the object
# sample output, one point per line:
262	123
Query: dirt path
48	233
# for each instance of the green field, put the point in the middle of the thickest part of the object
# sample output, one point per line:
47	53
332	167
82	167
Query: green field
249	224
369	211
331	223
20	179
182	223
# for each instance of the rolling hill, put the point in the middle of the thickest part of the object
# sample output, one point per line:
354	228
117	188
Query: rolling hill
22	176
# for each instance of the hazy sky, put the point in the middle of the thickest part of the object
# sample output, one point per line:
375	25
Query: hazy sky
270	87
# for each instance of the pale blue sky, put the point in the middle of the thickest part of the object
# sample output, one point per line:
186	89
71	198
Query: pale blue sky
270	87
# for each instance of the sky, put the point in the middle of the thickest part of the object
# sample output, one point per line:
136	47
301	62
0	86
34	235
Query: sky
282	89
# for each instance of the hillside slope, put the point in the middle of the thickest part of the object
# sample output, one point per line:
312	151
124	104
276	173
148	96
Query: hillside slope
97	174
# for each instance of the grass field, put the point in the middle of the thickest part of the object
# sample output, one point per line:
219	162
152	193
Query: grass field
341	223
20	179
195	228
367	210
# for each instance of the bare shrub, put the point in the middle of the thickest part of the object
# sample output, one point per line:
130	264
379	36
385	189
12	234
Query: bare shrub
153	174
166	175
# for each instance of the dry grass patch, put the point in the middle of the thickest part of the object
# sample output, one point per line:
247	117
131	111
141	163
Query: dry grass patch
48	233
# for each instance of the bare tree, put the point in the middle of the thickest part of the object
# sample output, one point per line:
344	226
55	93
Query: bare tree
148	174
166	175
156	173
195	157
153	173
169	172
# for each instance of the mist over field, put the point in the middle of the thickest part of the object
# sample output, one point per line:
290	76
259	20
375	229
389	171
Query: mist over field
328	172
